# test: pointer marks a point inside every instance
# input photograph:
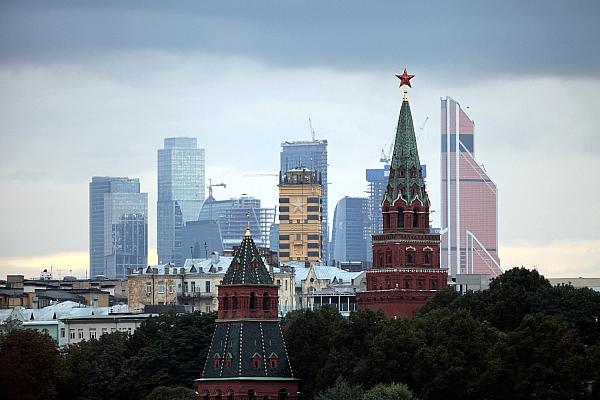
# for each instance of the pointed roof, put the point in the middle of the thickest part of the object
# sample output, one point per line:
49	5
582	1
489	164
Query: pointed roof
247	266
404	161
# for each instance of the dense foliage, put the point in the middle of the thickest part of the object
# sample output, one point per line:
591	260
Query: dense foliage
520	339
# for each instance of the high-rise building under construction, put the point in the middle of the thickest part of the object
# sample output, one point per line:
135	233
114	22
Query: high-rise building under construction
469	203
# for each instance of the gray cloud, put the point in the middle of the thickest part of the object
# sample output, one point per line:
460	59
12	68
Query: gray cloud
451	38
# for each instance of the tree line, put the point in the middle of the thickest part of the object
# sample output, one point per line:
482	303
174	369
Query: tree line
521	339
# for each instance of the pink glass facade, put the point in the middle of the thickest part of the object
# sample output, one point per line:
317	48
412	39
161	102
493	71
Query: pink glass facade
469	199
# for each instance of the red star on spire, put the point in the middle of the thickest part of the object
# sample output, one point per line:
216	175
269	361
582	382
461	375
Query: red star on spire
405	78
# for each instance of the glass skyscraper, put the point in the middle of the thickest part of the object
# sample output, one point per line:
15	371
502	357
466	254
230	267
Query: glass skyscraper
180	194
311	155
351	230
118	226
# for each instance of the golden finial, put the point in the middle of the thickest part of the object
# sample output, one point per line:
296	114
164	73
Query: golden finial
247	231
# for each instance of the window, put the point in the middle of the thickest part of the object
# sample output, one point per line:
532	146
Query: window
284	245
284	209
313	245
207	286
313	254
80	333
71	333
193	283
273	360
427	261
266	302
284	254
415	219
282	394
171	288
284	237
230	394
234	304
216	361
92	333
313	217
104	331
312	208
434	285
256	361
62	332
161	286
278	282
409	258
148	288
406	285
218	395
228	360
225	303
284	217
284	199
298	236
401	218
286	284
313	237
185	287
251	394
206	395
253	301
313	200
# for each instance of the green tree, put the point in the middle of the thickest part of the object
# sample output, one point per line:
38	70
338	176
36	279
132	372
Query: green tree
172	393
541	359
30	366
341	390
311	338
93	366
452	355
392	391
169	350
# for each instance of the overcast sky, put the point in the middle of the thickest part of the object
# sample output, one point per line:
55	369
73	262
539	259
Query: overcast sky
92	88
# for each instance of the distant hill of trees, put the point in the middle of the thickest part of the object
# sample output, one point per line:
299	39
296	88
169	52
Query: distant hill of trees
521	339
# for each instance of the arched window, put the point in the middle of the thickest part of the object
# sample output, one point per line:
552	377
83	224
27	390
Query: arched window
266	301
406	284
400	218
253	301
386	220
218	394
216	361
409	258
427	258
206	395
225	303
256	360
230	394
251	394
228	360
433	285
282	394
415	219
234	304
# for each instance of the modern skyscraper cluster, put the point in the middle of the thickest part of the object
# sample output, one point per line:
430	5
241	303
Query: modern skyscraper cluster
469	199
311	155
351	230
118	226
180	194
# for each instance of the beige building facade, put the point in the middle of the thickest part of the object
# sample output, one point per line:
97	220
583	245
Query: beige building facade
300	216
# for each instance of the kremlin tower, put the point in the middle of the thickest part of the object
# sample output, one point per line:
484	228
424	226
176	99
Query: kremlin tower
406	256
247	359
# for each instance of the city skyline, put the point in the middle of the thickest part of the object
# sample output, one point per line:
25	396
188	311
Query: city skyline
81	106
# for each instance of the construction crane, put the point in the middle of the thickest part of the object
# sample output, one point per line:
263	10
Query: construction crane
211	186
423	124
386	157
312	131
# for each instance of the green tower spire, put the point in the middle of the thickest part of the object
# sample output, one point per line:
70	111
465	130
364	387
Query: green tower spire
406	178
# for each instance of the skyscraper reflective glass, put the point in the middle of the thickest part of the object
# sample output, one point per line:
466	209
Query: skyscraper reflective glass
311	155
351	230
118	226
180	194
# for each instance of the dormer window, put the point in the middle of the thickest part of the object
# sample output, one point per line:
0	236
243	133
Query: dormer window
228	360
401	172
256	360
216	361
273	360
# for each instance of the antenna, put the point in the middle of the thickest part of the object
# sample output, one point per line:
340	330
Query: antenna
312	131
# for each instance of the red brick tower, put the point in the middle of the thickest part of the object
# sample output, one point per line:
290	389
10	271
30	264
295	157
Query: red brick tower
406	257
247	359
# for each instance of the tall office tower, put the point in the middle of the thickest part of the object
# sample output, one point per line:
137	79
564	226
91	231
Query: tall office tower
234	215
300	215
351	230
311	155
469	199
118	226
377	180
180	194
